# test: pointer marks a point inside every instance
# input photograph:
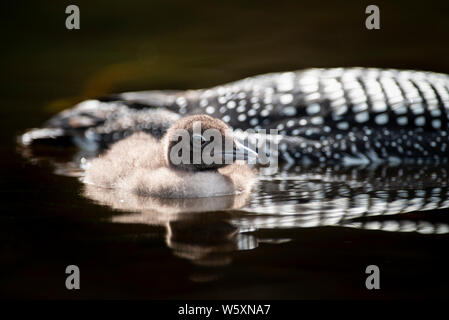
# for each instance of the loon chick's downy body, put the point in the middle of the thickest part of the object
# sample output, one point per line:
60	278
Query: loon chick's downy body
340	115
143	165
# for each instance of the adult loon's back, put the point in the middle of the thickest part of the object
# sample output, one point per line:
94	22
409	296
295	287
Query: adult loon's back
350	115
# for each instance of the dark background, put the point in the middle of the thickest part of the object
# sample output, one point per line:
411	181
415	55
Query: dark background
138	45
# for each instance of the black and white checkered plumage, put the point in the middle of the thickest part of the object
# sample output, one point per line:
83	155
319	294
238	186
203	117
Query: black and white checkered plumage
340	115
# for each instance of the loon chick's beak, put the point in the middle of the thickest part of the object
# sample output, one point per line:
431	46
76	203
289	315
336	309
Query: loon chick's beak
240	152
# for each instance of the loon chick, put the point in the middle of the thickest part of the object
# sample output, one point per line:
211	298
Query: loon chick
147	167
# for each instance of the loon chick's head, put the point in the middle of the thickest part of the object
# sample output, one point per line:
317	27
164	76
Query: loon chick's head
201	142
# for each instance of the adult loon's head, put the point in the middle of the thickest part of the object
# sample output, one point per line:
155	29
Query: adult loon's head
201	142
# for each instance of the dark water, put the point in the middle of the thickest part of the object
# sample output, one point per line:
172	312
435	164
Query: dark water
305	232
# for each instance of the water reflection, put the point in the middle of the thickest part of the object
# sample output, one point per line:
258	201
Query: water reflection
379	198
207	230
196	229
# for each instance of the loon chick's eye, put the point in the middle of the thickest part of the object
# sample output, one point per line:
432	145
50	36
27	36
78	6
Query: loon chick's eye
199	140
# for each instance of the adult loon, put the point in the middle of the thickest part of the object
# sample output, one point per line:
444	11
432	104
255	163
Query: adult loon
148	167
338	115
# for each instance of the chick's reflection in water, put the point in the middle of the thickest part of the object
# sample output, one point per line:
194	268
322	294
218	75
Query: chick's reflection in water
192	232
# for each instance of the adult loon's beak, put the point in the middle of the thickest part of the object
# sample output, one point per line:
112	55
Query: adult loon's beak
240	152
